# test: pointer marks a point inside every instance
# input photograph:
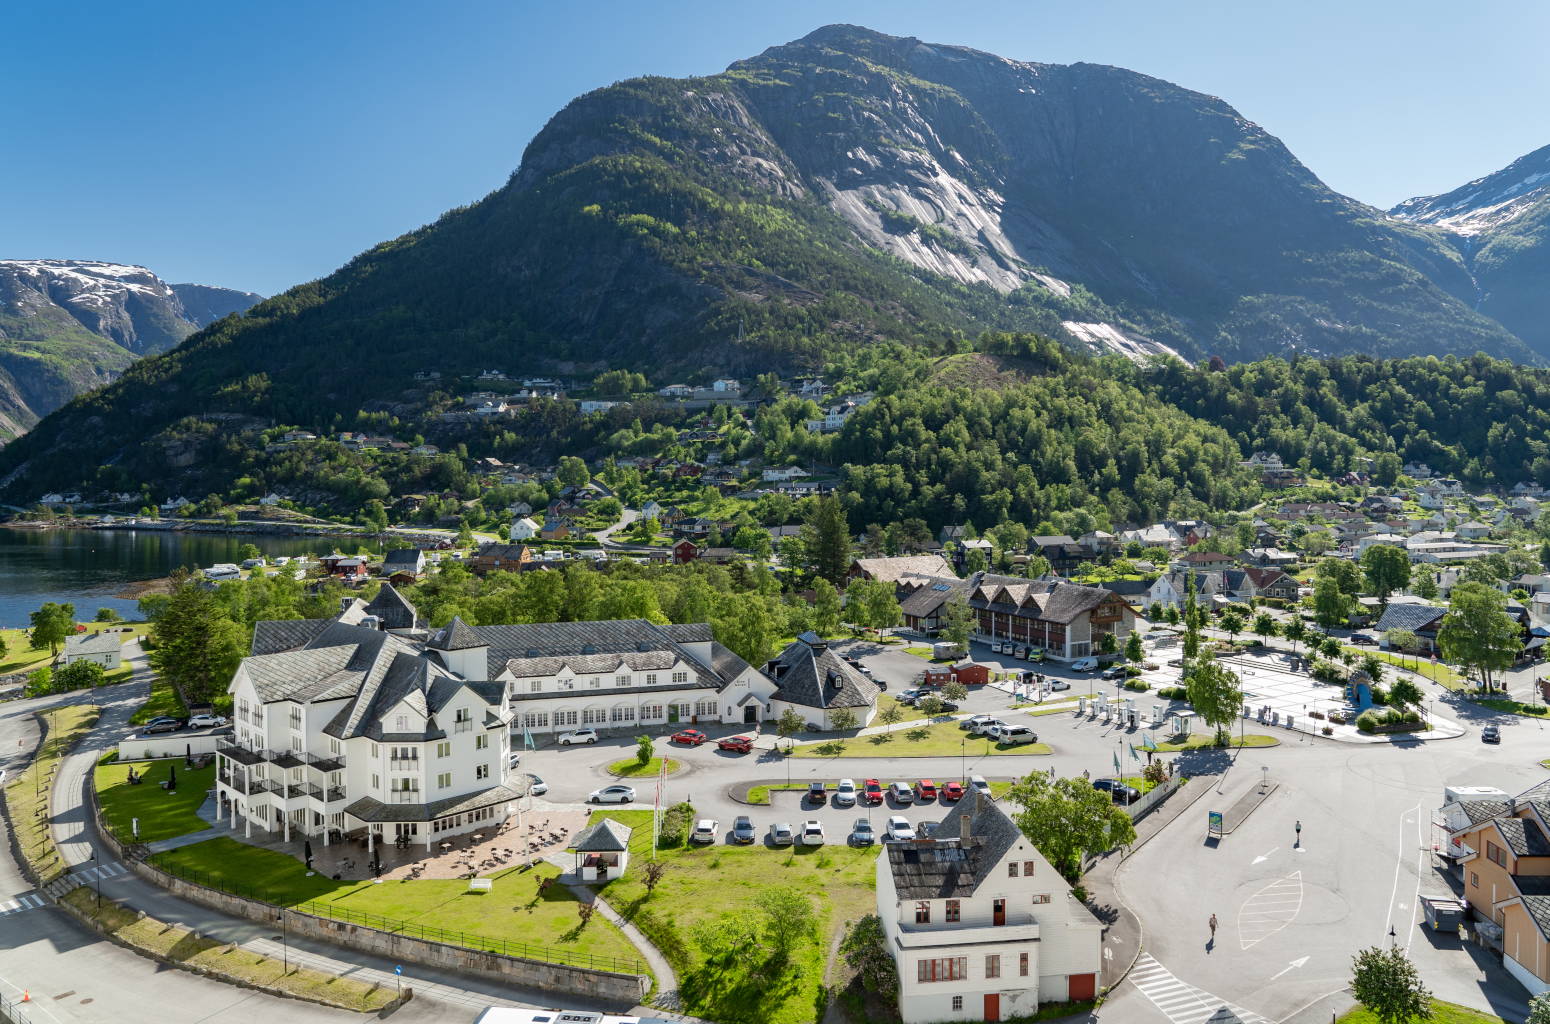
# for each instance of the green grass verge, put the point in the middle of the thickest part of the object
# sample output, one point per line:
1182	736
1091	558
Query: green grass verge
940	740
27	796
919	652
162	814
1196	742
1442	1013
907	712
1438	673
514	910
180	946
630	768
761	794
704	918
163	700
1513	707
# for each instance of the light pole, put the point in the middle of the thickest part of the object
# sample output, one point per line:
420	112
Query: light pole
285	942
96	877
963	761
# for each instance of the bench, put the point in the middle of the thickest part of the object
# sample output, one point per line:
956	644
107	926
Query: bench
480	884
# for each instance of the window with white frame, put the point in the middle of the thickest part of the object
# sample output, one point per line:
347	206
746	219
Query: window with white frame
594	716
482	771
705	707
482	742
595	682
651	711
567	684
624	714
443	749
622	680
680	677
536	686
651	679
401	723
540	719
563	718
444	780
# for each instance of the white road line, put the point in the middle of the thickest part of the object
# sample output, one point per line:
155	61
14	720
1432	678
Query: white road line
1269	910
1399	862
1180	1002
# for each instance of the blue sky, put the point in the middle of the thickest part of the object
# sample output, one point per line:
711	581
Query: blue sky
261	145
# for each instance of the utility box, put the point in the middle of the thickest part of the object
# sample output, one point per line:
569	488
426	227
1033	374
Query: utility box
1443	914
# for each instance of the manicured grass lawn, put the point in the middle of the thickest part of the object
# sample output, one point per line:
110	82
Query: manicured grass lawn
1206	740
21	658
909	712
712	893
28	793
1513	707
162	701
162	814
761	794
919	652
1438	673
630	768
939	740
1442	1013
222	961
513	911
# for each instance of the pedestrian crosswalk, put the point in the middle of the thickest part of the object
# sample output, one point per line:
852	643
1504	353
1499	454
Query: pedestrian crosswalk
1181	1003
26	901
110	869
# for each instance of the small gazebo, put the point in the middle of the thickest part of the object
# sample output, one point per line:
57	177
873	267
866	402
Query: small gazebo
602	850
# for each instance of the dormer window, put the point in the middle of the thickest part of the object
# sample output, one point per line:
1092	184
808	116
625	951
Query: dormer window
401	723
621	680
923	912
536	686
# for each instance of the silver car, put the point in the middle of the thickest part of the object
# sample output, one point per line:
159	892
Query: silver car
844	794
781	834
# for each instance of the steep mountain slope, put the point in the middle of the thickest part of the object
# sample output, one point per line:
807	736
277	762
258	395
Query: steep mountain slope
70	325
1501	225
842	189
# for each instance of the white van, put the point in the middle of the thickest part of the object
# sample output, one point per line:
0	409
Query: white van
1013	734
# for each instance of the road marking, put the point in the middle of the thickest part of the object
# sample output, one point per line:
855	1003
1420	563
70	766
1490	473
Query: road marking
1179	1002
111	869
26	901
1289	967
1399	863
1263	856
1269	910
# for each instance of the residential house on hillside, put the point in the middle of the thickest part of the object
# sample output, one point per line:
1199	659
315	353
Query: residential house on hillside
403	564
500	558
345	567
815	682
104	648
676	391
1158	535
1270	557
980	925
1205	561
1474	530
726	385
951	534
523	528
556	528
1272	583
1099	542
776	473
1171	588
1063	552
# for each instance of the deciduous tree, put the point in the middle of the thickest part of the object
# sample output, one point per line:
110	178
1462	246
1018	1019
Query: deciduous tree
1215	692
1067	818
1387	568
51	624
1477	632
1387	983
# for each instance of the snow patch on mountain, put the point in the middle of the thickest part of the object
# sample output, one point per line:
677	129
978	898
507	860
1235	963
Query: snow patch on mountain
1486	203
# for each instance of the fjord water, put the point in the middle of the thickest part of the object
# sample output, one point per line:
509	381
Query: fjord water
88	567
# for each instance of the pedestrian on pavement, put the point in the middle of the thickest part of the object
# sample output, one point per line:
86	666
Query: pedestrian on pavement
1212	922
1299	833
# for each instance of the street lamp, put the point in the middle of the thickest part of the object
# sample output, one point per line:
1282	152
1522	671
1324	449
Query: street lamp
963	761
285	943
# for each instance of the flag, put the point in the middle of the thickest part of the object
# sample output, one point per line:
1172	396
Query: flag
527	740
1133	755
1147	744
1116	763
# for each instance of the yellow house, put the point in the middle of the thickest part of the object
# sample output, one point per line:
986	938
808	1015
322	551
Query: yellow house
1505	863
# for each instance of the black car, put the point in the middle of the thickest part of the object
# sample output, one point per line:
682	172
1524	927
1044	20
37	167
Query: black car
1114	672
742	830
162	724
1118	791
948	707
1490	734
1363	640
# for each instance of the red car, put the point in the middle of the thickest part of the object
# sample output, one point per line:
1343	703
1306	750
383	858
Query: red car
872	791
738	744
690	737
925	789
951	791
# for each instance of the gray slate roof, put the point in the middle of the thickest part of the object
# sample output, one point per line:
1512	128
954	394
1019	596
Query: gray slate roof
952	864
606	836
393	609
1409	616
598	648
369	809
270	636
888	570
93	643
457	635
809	673
1524	837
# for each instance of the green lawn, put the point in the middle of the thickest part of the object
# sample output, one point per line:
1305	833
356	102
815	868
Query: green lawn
1513	707
919	652
162	701
1205	740
909	712
162	814
21	658
27	795
630	768
761	794
1438	673
940	740
703	913
513	911
1442	1013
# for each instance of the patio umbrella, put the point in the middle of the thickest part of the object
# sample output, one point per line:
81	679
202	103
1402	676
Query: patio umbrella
307	852
188	754
376	866
172	778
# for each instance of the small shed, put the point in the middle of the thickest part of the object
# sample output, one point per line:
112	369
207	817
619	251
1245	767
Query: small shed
971	673
602	850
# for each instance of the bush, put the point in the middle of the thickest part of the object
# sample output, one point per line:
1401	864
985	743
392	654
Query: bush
1413	717
1367	721
676	822
1328	730
1133	670
1138	685
1316	714
1173	693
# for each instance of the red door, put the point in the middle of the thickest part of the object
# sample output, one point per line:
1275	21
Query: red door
1081	987
997	916
992	1006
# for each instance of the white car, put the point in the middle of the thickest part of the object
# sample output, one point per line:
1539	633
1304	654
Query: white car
1084	664
898	830
973	720
781	834
613	795
844	794
536	786
901	792
206	721
812	833
578	736
1057	684
704	831
513	759
978	782
986	726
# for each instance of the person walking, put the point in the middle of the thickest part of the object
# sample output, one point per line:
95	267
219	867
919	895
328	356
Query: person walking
1212	923
1299	833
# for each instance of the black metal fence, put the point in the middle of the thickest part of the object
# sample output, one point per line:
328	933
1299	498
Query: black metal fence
12	1012
412	930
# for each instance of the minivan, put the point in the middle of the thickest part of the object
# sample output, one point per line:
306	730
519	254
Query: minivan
1013	734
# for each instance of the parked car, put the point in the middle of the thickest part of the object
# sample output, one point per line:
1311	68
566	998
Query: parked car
881	684
1118	791
973	720
578	736
817	793
1113	672
947	707
978	782
206	721
536	786
781	834
910	696
984	728
872	792
161	724
845	793
861	834
742	830
925	789
1035	654
688	737
704	831
1084	664
513	759
812	833
736	744
1020	653
1012	734
901	793
1363	640
951	792
898	829
1058	684
613	795
1490	734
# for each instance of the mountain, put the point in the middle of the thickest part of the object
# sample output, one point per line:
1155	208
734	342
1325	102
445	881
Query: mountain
828	194
70	325
1501	226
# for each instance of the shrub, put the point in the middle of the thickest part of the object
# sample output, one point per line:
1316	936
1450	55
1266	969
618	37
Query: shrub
676	822
1173	693
1138	685
1413	717
1133	670
1316	714
1328	730
1367	721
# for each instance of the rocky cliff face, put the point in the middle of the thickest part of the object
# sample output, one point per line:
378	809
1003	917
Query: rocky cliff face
67	326
1500	225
